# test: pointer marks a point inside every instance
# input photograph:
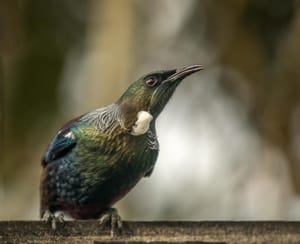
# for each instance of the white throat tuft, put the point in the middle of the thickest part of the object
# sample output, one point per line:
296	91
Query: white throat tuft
142	124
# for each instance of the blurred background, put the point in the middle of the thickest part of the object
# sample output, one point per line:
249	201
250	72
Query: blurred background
230	136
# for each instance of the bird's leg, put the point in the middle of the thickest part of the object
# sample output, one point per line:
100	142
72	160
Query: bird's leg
111	216
53	218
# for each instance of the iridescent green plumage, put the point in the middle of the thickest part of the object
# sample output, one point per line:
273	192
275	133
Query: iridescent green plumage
97	158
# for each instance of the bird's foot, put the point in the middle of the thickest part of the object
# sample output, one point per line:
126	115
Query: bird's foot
53	218
112	217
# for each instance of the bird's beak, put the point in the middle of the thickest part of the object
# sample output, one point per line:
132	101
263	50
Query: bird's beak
183	72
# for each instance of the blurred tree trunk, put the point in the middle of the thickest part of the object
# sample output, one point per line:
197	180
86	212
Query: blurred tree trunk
47	31
105	66
1	112
258	40
9	32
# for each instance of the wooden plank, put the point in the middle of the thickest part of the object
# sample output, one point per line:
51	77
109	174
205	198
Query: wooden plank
152	232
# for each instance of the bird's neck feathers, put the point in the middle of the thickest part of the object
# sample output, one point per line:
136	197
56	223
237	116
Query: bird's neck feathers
131	106
105	119
132	119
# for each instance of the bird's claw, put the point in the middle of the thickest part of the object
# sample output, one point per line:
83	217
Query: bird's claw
111	216
53	218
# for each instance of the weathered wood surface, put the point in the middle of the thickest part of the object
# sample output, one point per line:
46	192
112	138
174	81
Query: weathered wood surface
152	232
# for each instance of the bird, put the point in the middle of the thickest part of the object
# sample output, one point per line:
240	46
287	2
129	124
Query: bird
95	159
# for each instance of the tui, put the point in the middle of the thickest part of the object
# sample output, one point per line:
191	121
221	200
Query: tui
95	159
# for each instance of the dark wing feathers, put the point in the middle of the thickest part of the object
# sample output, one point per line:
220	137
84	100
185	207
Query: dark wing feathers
62	143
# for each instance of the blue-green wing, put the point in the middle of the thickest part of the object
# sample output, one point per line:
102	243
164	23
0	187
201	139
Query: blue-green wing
61	145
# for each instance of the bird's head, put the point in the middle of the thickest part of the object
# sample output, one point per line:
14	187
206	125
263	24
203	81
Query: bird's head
152	91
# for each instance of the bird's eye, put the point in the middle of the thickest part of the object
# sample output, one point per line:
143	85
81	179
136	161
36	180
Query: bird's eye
151	82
